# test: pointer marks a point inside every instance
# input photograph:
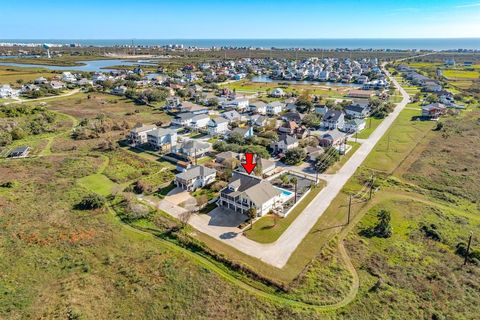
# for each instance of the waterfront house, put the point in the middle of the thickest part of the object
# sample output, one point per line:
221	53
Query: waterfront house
277	93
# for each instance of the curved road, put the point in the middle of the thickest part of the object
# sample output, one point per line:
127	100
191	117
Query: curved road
278	252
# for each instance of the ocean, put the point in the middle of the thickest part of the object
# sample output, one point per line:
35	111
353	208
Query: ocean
389	44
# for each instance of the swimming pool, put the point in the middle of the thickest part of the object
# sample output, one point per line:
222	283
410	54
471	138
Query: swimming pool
285	192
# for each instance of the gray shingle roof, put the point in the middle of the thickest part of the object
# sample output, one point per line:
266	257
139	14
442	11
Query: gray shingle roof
196	171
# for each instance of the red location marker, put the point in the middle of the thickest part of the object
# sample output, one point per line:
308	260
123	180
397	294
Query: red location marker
249	165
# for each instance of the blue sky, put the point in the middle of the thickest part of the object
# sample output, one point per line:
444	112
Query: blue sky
148	19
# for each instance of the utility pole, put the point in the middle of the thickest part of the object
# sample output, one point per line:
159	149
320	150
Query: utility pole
316	177
371	188
468	249
388	142
349	209
296	184
370	123
356	136
195	154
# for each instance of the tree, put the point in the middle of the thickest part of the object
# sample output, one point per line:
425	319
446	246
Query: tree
311	120
383	229
294	180
236	137
323	162
5	138
252	214
294	156
91	202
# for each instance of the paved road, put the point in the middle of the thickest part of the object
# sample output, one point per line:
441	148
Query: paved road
278	253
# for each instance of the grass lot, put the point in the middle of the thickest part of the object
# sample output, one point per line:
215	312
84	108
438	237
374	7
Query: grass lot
337	165
65	60
10	75
461	74
268	228
98	183
370	126
323	90
399	140
84	105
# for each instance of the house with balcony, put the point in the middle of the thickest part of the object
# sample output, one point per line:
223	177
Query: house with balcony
275	107
163	139
333	119
200	121
193	148
258	107
244	192
195	177
138	135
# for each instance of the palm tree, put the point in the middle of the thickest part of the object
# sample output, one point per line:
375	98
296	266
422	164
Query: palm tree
294	180
252	214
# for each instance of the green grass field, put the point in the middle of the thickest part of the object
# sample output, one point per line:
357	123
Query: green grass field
461	74
98	183
268	229
370	126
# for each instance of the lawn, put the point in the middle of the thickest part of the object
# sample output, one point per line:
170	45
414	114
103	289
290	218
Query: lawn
97	183
269	228
337	165
10	75
370	126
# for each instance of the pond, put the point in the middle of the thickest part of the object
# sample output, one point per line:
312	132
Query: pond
267	79
88	66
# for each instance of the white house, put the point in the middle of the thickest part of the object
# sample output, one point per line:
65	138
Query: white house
183	119
164	139
357	111
119	91
8	92
199	121
245	192
275	107
237	104
195	177
258	107
217	126
285	143
277	93
354	125
333	119
68	77
194	148
138	135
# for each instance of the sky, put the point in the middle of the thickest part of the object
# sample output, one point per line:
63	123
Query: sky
188	19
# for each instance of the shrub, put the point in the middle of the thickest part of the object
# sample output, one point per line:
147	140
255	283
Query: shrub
294	156
91	202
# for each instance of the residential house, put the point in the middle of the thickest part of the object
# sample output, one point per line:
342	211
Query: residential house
275	107
119	91
333	119
245	192
8	92
194	148
313	153
40	80
57	85
173	102
227	157
277	93
217	126
19	152
363	94
187	106
183	119
26	88
237	104
321	110
433	111
163	139
200	121
258	120
354	125
293	116
68	77
195	177
357	111
258	107
285	143
138	135
232	116
332	139
245	132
